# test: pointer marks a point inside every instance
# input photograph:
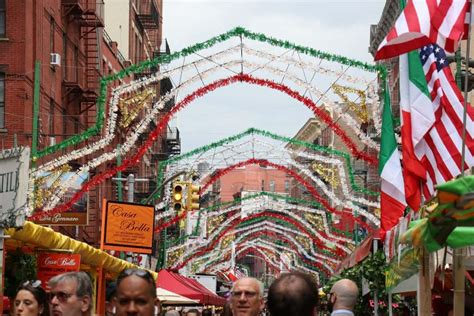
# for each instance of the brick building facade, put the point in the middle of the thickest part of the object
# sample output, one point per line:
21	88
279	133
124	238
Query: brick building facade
68	39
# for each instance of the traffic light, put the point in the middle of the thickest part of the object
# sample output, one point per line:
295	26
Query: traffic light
192	201
177	197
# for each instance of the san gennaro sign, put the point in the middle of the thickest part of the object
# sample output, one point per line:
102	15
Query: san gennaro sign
14	164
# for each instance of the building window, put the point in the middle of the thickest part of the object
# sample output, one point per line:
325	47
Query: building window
2	18
51	117
263	185
272	186
51	35
2	99
287	186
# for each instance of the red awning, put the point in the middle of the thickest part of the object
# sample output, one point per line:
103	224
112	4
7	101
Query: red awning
188	287
359	254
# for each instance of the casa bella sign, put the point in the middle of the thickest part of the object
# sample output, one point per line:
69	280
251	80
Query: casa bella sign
14	165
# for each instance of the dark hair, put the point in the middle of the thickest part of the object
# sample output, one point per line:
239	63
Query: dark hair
206	312
110	291
194	311
289	298
34	287
141	273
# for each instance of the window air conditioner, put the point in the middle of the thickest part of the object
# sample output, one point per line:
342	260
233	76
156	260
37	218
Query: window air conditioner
55	59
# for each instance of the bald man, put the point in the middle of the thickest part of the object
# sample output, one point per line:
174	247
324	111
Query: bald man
343	297
293	294
247	297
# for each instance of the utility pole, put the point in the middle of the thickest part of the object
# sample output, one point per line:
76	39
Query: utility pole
131	185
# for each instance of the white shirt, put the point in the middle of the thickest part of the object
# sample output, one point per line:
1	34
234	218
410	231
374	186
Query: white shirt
342	312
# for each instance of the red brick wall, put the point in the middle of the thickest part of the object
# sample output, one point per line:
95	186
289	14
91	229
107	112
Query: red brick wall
250	179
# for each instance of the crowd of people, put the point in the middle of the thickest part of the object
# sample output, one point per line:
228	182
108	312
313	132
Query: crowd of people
134	293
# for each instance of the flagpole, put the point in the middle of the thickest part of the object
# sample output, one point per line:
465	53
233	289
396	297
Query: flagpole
458	254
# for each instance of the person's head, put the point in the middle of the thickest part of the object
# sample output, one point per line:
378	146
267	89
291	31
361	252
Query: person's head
31	300
172	312
247	297
293	294
344	294
206	312
71	294
193	312
110	292
136	293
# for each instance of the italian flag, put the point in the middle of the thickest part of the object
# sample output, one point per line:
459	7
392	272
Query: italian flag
392	200
417	114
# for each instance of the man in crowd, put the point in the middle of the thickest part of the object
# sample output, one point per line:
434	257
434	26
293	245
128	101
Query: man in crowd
293	294
136	294
193	312
247	297
343	297
71	294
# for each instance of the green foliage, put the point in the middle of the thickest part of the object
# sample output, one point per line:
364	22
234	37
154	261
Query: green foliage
19	267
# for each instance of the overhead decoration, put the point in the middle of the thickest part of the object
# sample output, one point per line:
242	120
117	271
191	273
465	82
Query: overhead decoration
359	109
302	230
328	174
131	106
190	98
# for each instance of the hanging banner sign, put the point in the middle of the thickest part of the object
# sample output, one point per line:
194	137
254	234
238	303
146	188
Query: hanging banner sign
14	164
52	264
77	215
128	227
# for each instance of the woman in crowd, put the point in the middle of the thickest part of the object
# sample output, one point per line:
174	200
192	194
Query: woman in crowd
31	300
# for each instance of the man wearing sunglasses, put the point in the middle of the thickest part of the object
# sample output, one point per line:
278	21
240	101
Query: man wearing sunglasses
136	294
71	294
247	297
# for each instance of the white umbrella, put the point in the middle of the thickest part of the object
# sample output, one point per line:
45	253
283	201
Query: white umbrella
170	298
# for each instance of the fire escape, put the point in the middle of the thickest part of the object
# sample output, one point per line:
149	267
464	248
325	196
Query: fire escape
147	20
82	81
89	16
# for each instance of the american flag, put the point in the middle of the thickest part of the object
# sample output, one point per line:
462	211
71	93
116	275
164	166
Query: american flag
440	150
444	22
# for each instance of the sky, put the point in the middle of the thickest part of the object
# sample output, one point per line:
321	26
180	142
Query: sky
334	26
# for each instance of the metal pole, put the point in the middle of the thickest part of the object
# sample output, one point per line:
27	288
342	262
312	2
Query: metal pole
36	102
2	256
119	175
458	255
376	294
131	187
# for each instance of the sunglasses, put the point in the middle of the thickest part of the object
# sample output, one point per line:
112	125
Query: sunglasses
61	296
33	283
144	274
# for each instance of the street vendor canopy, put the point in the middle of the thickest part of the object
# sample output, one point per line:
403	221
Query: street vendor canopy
49	239
188	287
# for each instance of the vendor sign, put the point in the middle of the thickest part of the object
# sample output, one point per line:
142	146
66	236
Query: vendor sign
52	264
128	227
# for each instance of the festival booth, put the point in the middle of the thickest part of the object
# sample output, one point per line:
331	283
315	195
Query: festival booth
447	224
187	287
170	298
46	238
